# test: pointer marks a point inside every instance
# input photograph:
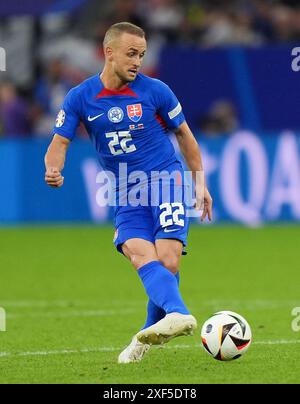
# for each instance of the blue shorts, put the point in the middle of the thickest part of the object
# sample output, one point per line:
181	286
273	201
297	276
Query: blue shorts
166	220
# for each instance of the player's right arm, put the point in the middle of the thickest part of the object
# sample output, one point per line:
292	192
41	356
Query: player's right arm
63	133
55	161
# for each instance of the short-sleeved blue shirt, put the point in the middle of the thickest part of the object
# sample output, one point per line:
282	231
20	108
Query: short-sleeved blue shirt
128	126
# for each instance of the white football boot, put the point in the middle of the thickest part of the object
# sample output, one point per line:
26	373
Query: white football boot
134	352
171	326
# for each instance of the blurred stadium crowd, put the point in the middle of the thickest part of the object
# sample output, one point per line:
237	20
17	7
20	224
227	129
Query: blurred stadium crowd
48	55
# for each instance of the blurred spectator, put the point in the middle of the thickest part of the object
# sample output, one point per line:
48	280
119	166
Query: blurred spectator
49	94
292	3
230	29
13	112
221	119
52	86
296	23
128	10
41	44
281	17
165	17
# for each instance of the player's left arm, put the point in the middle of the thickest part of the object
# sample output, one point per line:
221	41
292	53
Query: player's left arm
192	154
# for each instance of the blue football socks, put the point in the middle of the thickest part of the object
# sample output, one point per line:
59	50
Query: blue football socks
155	313
162	288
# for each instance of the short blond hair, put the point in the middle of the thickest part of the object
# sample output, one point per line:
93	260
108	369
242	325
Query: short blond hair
118	29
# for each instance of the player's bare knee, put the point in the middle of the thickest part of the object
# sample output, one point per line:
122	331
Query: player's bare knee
138	261
139	256
169	253
170	261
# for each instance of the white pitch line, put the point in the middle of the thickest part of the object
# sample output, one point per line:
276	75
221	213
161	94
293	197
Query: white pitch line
114	349
71	302
213	305
64	303
38	303
282	342
79	313
58	352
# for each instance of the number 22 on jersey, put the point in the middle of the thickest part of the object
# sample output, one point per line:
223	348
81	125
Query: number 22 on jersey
120	142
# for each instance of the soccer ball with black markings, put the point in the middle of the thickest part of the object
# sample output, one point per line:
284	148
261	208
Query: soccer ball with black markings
226	336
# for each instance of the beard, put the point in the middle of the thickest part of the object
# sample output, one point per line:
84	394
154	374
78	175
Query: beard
125	77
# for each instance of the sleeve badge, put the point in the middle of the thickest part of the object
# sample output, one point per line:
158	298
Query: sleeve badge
60	118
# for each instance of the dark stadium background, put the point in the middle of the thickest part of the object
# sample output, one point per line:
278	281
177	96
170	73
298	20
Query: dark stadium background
71	301
229	62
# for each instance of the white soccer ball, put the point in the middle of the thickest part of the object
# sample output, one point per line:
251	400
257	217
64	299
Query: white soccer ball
226	336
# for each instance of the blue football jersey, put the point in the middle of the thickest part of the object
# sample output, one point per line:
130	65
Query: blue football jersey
128	126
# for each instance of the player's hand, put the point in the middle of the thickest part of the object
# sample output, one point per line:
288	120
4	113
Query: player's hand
53	177
204	202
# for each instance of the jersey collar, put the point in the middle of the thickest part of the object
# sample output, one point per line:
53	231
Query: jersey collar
104	92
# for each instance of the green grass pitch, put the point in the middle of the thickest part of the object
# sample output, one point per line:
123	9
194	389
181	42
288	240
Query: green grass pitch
72	303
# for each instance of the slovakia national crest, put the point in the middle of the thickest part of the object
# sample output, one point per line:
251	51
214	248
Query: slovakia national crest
135	112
